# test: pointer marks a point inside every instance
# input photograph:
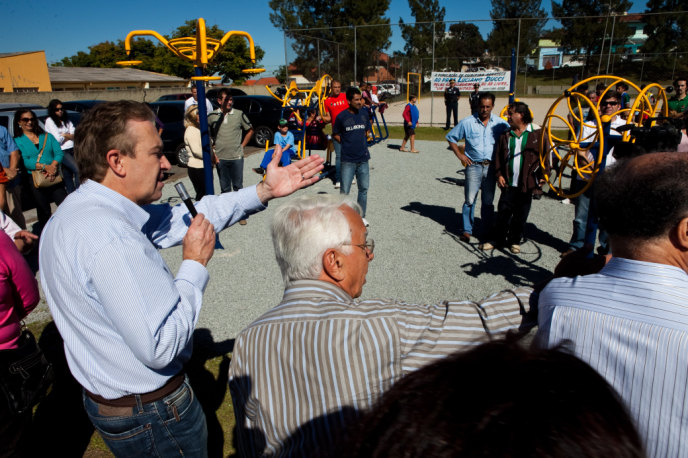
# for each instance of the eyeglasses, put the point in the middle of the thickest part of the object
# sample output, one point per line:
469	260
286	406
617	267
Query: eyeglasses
605	104
26	119
368	246
59	109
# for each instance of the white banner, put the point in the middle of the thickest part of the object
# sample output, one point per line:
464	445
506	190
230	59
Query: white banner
489	81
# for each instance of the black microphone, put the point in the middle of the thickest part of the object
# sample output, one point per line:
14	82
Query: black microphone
186	198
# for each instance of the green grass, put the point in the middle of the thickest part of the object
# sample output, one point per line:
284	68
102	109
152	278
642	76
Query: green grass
422	133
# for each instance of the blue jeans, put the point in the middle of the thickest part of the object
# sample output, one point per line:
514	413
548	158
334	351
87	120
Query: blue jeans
337	161
231	174
168	427
362	172
580	220
478	177
70	171
285	160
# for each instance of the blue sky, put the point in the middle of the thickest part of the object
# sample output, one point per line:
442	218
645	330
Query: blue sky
62	28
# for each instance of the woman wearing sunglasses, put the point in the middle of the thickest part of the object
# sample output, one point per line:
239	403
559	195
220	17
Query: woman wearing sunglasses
59	125
33	142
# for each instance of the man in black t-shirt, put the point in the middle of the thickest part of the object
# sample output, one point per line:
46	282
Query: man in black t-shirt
474	98
351	130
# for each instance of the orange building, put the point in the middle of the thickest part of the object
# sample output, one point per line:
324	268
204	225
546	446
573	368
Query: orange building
24	72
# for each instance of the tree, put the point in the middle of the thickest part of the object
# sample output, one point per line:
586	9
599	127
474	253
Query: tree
419	36
329	45
587	36
505	34
229	62
666	33
465	41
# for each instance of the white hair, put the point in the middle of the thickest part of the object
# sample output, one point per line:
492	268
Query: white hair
304	228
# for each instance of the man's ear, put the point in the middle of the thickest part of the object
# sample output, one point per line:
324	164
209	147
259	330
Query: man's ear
333	265
681	234
116	160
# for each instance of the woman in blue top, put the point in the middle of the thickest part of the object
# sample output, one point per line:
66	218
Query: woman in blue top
31	140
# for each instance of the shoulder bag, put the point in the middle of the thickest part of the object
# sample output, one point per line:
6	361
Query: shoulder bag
40	178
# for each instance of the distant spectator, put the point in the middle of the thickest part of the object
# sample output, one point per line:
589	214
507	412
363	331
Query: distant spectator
34	142
411	116
622	89
474	98
193	100
497	400
335	104
285	141
315	137
59	125
452	94
679	101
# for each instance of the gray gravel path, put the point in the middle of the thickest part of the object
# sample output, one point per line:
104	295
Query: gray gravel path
414	205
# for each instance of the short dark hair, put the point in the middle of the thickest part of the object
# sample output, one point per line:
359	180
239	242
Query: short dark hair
226	92
623	85
680	78
522	109
486	95
350	92
532	402
104	128
412	97
643	197
611	95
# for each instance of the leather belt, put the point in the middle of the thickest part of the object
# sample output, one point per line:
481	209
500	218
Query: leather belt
485	162
130	399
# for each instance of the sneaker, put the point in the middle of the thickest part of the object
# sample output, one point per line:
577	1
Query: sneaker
566	201
353	182
259	171
465	237
487	246
243	222
515	249
365	222
337	185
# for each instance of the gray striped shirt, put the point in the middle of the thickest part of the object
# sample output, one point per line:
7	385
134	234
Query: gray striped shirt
302	368
630	323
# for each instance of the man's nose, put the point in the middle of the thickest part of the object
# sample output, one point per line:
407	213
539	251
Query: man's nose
164	163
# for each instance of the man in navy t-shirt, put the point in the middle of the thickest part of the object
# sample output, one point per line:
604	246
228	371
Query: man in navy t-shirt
351	130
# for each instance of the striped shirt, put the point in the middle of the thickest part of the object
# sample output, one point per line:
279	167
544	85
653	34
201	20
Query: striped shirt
630	323
300	368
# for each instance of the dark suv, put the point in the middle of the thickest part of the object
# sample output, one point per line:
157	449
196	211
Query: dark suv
264	112
171	114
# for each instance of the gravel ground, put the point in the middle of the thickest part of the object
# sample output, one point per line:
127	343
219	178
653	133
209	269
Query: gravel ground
414	205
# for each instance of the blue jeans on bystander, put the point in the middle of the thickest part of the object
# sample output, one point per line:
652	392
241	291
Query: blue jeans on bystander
479	177
362	173
173	426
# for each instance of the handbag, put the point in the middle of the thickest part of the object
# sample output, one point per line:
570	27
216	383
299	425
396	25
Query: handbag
40	178
25	374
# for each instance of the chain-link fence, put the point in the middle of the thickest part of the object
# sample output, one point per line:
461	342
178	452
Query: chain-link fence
556	49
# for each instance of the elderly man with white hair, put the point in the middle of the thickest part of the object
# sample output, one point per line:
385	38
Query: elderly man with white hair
306	367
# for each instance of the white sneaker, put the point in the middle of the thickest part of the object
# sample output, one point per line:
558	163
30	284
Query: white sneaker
337	185
566	201
365	222
353	182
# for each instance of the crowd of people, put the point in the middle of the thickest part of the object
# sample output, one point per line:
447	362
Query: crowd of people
323	372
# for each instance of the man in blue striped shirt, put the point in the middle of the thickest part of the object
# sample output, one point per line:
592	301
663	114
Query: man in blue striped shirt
126	321
630	320
302	371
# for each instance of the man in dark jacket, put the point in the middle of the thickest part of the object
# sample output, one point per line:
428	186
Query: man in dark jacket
451	101
518	173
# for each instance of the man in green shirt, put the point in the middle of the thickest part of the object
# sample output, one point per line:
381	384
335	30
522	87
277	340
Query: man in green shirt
679	102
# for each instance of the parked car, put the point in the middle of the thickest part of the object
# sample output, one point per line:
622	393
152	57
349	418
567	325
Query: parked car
171	114
81	105
180	96
7	115
386	88
264	112
573	63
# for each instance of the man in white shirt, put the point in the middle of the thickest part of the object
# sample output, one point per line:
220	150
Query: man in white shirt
630	320
193	100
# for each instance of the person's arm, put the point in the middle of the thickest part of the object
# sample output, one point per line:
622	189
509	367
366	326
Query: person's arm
326	115
51	128
192	140
336	129
21	276
247	137
52	155
453	137
441	329
407	115
500	155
